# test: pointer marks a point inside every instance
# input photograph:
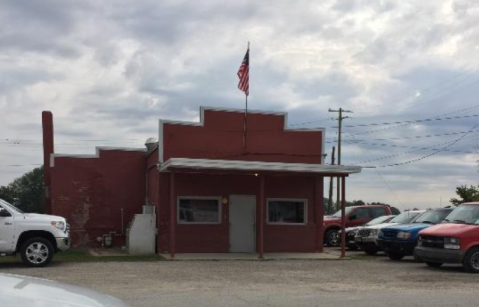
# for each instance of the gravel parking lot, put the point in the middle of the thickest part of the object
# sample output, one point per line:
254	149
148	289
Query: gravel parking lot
375	281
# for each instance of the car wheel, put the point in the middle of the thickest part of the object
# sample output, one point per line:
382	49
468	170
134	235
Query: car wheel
395	256
37	252
371	251
471	260
332	238
433	264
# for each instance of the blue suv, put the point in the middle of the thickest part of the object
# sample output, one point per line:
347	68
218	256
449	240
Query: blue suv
400	240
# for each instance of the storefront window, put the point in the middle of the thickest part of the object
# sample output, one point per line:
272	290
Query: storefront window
199	210
287	211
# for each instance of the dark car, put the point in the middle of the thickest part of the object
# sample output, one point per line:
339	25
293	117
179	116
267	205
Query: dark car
355	216
352	231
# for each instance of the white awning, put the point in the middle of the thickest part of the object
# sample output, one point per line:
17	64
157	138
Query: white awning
238	165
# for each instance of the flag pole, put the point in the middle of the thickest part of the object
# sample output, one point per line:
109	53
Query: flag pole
246	111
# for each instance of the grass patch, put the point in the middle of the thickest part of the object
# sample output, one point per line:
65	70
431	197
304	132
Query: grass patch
84	256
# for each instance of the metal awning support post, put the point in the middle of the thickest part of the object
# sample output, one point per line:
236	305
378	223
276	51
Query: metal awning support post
343	216
318	198
172	216
261	218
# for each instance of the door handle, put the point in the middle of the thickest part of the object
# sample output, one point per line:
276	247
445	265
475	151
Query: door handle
8	223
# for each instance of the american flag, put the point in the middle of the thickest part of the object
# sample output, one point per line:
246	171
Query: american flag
243	74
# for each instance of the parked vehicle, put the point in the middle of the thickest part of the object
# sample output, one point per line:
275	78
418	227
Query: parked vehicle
366	238
454	241
355	216
36	237
352	231
16	290
400	240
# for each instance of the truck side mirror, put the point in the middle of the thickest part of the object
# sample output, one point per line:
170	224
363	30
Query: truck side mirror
353	217
4	213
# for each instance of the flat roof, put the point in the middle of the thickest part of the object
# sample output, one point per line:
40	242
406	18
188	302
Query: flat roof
239	165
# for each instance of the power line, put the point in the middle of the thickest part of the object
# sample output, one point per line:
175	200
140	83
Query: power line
414	150
407	137
311	122
20	165
409	123
404	146
387	185
431	154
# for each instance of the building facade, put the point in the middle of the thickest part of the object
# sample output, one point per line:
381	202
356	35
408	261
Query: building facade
231	182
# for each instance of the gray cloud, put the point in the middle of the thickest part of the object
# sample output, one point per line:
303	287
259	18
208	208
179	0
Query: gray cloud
109	70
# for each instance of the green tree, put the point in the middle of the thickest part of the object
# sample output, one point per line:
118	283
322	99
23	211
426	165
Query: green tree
26	192
467	194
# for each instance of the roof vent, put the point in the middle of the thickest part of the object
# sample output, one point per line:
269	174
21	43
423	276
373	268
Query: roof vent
150	143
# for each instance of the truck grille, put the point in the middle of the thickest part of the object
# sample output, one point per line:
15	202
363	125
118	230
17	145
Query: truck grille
389	234
364	232
431	241
67	229
350	235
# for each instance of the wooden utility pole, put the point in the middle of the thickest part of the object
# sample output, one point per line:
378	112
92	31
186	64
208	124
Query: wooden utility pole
330	199
340	122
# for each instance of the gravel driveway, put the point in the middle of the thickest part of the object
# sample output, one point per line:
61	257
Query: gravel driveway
375	282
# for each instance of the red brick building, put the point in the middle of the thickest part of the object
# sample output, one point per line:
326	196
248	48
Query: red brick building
229	183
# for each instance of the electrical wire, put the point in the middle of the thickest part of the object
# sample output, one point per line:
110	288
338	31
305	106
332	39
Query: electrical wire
406	137
411	121
387	185
431	154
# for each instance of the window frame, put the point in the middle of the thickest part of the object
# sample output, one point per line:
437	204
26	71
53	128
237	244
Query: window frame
305	210
217	198
371	210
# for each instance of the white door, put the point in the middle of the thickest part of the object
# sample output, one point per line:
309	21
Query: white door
6	233
242	223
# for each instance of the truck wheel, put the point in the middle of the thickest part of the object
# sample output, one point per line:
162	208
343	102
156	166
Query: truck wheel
471	260
37	252
332	238
395	256
433	264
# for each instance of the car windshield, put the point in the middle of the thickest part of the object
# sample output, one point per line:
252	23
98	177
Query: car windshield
405	217
379	220
338	214
432	216
464	214
10	206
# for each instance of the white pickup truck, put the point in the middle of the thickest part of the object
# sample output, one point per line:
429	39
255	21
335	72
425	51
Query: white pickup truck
35	236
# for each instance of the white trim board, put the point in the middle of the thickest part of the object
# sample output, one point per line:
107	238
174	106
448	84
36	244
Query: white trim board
257	166
91	156
201	124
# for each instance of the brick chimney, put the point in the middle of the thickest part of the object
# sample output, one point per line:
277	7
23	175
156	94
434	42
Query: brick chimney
48	150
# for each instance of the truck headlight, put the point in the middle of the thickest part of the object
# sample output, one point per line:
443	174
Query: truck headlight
452	243
59	224
374	233
403	235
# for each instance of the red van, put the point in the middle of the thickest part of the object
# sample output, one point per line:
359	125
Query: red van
456	240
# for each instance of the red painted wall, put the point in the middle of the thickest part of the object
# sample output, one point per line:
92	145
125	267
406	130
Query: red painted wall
215	238
90	192
221	137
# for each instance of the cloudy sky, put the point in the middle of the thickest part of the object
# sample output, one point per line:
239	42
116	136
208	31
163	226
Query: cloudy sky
109	69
